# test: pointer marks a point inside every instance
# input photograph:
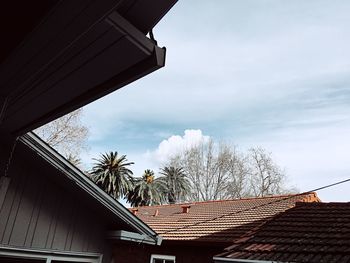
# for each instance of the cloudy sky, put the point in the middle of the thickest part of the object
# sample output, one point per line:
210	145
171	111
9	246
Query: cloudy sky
253	73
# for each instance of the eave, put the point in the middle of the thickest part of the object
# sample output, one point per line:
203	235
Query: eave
80	180
81	51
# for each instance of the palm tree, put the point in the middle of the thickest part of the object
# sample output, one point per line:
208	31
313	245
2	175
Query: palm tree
176	183
147	190
111	174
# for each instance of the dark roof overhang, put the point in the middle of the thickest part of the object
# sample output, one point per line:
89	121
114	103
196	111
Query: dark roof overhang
79	52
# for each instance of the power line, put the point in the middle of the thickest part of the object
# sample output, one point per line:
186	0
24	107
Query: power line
257	206
330	185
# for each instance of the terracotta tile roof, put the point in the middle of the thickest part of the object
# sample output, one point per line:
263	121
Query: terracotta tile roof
309	232
216	221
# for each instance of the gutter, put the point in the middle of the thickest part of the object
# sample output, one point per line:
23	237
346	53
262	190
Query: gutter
79	178
122	235
221	259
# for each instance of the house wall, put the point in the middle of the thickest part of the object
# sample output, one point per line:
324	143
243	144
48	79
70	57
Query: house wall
37	213
184	253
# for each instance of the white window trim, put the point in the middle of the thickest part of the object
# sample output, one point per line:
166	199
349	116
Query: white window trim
50	255
165	257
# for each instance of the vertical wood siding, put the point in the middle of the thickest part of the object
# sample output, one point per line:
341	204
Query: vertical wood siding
36	213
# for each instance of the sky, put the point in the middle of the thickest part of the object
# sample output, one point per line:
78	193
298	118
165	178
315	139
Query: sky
263	73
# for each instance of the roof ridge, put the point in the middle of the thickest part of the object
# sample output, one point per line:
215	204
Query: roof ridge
321	203
233	200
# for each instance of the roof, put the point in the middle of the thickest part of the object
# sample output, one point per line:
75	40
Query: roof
309	232
83	185
216	221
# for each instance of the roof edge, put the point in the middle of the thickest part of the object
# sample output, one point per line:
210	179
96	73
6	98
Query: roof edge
72	172
220	259
309	197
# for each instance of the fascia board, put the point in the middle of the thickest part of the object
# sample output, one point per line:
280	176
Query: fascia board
72	172
130	32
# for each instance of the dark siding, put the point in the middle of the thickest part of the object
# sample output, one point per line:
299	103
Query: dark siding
46	212
24	211
38	213
4	183
9	208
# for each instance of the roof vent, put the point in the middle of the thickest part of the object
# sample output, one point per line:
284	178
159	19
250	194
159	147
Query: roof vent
185	208
134	211
156	213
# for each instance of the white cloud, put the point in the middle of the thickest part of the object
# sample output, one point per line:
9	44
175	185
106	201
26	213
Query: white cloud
175	144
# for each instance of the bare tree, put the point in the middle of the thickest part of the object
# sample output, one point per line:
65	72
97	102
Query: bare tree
267	178
210	169
204	169
67	134
219	171
238	185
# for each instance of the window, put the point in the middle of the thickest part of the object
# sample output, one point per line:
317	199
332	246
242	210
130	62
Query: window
162	259
19	260
14	255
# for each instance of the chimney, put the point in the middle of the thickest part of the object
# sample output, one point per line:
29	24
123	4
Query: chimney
134	211
156	213
185	209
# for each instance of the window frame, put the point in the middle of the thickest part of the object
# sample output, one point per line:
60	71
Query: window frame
50	255
164	257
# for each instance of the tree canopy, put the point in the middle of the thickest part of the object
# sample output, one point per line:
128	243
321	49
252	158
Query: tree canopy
147	190
220	171
68	135
176	184
111	173
206	171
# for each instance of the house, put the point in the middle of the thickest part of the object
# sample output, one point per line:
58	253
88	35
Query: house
57	56
50	210
195	232
308	232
